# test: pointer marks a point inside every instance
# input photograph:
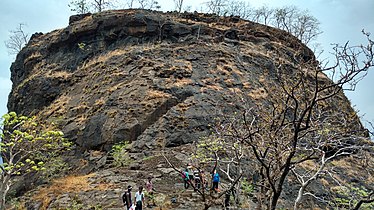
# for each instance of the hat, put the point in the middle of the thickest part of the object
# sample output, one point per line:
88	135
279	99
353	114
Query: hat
129	187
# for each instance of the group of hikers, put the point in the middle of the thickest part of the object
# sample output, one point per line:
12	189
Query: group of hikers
139	196
193	176
198	178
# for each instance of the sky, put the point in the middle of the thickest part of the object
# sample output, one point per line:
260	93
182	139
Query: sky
341	21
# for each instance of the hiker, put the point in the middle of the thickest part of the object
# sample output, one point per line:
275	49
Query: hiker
215	181
204	182
185	177
126	198
139	199
196	175
190	172
149	188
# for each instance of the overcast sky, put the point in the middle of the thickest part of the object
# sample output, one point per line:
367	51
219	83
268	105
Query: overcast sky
341	21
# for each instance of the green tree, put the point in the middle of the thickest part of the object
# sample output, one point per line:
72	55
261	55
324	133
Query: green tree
26	147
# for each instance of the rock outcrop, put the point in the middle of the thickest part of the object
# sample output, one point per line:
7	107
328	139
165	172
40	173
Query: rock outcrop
154	79
144	76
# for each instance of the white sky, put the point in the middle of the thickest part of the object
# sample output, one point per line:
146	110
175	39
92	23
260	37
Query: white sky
341	21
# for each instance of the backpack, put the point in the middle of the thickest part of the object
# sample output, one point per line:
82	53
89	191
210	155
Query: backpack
216	177
185	175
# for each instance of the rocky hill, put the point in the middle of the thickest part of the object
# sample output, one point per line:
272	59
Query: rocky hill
156	80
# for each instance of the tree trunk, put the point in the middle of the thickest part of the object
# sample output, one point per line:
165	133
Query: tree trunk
299	196
4	188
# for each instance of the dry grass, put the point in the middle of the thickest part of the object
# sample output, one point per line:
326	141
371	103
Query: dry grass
58	107
236	90
183	82
259	93
99	102
68	184
104	57
61	186
58	74
33	56
156	94
246	85
212	87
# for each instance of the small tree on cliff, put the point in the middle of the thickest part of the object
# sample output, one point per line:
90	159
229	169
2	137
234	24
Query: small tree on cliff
17	40
79	6
26	147
178	4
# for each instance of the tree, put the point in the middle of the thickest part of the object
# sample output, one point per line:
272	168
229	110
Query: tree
297	122
26	147
130	3
215	6
226	156
289	18
148	4
263	15
284	17
17	40
101	5
238	8
79	6
178	5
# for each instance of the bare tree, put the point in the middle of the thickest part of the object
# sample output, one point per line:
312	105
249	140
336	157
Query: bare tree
18	38
289	18
226	156
215	6
101	5
178	5
238	8
306	27
130	3
79	6
148	4
263	15
284	17
298	122
321	161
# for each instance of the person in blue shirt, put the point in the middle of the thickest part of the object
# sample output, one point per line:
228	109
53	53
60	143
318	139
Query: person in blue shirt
215	180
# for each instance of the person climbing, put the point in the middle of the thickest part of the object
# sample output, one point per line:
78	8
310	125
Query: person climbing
190	172
204	182
197	178
215	181
149	188
139	199
126	198
185	177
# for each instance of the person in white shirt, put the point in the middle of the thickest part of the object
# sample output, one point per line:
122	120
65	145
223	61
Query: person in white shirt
139	199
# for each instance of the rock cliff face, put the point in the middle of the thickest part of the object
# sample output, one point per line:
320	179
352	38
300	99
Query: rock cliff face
142	76
154	79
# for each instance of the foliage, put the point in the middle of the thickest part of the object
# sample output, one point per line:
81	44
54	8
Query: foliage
56	166
81	45
119	154
349	196
26	146
247	187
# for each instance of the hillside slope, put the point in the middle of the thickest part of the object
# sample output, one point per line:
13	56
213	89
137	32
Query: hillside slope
154	79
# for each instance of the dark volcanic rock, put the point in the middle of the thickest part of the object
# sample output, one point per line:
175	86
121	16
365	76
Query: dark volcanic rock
150	78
